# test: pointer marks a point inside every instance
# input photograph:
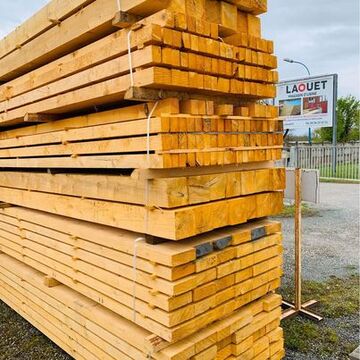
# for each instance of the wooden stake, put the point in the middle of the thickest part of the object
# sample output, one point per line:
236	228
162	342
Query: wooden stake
298	239
298	308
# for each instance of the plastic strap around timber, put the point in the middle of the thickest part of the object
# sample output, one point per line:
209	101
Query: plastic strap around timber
146	218
118	2
148	123
130	58
135	275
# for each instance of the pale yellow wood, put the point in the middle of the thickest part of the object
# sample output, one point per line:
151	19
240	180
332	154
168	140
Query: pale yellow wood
49	16
99	321
167	192
50	282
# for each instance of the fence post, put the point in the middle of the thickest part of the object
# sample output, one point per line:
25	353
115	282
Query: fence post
297	155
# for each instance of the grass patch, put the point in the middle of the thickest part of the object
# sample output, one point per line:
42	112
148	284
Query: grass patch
303	335
343	171
338	299
306	211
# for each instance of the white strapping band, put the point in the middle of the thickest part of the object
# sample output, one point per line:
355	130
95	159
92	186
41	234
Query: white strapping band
146	217
118	4
130	58
148	123
148	128
135	275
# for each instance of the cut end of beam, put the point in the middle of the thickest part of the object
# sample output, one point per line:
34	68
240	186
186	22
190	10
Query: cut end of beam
39	118
50	282
123	19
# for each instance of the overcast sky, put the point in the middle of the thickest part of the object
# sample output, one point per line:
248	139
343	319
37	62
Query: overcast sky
324	34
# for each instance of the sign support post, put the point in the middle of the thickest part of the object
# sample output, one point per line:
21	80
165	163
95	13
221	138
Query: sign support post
298	308
334	138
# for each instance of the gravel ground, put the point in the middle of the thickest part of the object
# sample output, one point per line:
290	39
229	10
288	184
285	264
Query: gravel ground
330	242
19	340
330	247
347	328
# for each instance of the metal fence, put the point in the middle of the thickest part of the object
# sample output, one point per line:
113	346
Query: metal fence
340	162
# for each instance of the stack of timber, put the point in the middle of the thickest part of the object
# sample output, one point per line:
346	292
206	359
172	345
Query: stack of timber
137	172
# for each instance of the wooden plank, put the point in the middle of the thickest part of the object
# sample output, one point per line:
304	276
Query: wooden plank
105	49
114	89
155	143
68	296
116	67
84	311
143	7
47	17
167	192
75	31
148	268
49	247
26	254
172	224
175	333
146	57
264	130
135	112
74	332
168	254
142	161
92	54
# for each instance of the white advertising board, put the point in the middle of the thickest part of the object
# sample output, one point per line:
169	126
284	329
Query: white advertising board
308	102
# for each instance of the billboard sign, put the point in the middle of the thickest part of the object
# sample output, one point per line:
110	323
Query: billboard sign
308	102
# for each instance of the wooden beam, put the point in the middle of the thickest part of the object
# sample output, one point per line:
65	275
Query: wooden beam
113	90
129	113
86	234
162	192
47	17
76	309
172	224
73	33
93	54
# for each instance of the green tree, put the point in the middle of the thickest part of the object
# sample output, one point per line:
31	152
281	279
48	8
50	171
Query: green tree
348	121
